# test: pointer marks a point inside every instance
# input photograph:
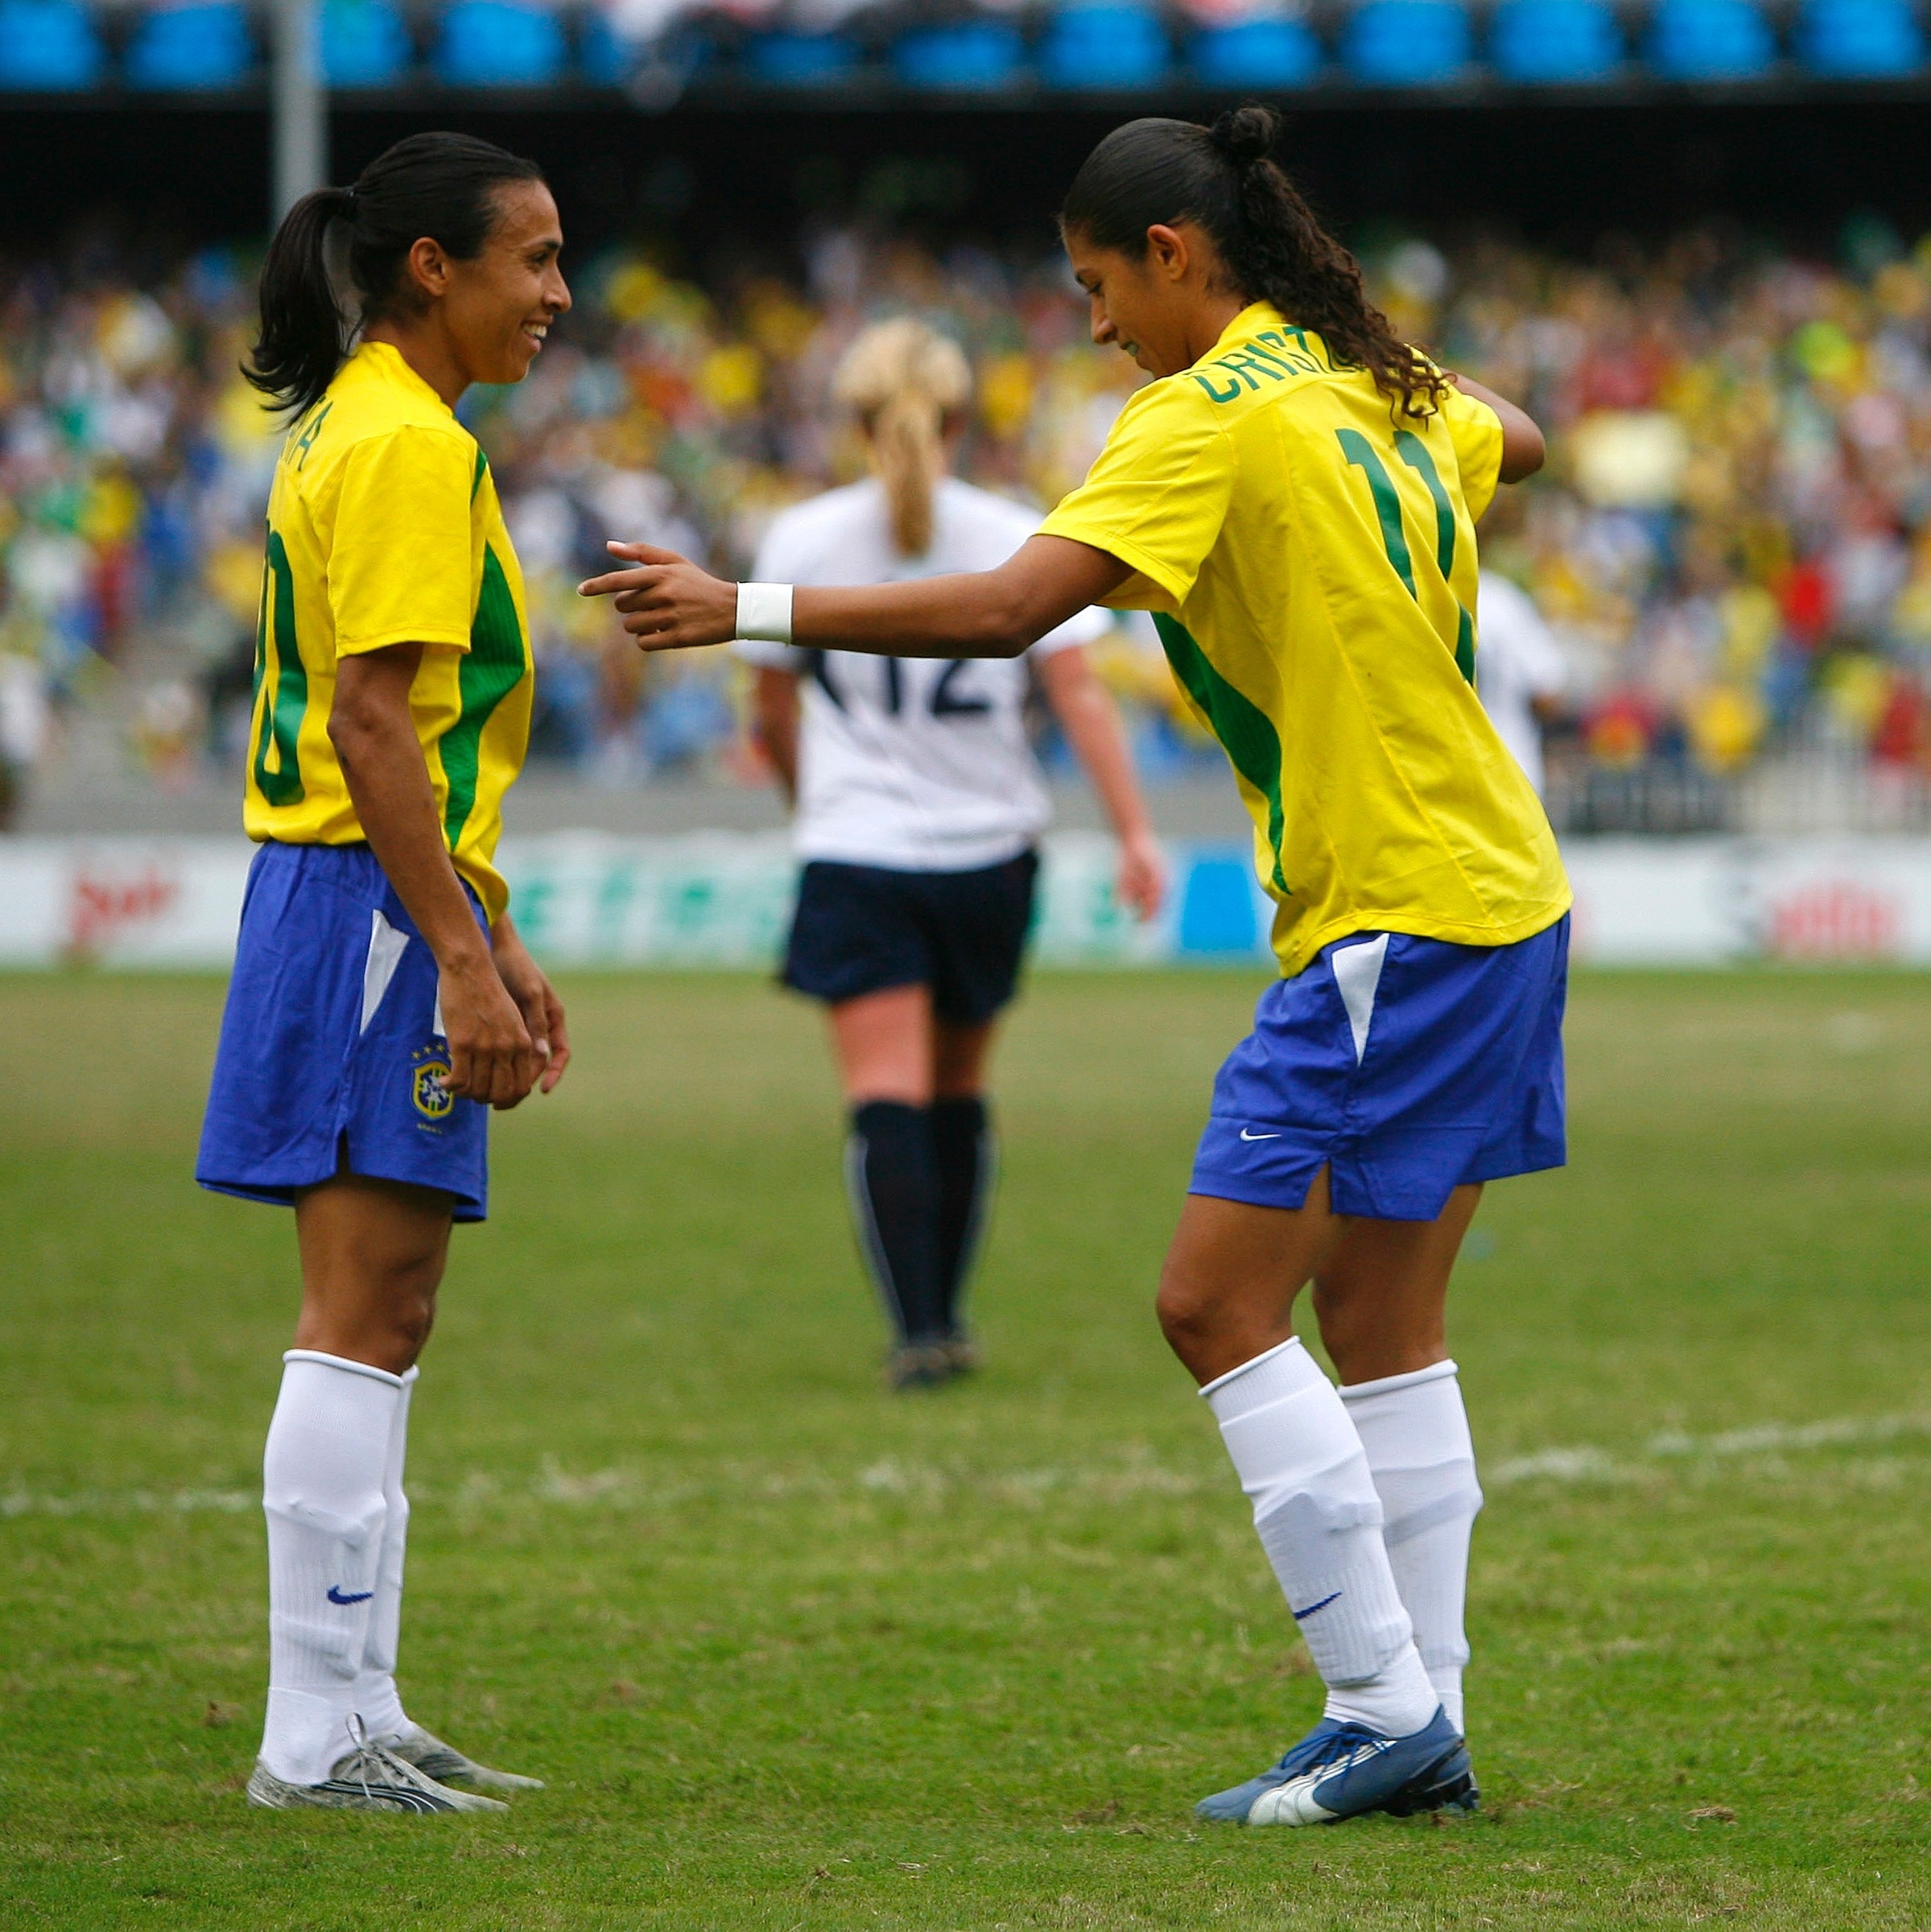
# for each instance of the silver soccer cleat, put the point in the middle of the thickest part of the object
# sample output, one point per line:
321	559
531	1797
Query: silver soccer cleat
369	1778
446	1764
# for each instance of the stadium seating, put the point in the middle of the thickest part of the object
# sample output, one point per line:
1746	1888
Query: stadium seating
801	59
974	57
500	43
1406	42
1709	40
603	59
1860	40
1255	53
1541	41
48	45
1107	48
363	43
201	47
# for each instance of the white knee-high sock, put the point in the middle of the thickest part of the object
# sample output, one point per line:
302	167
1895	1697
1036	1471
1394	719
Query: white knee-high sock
378	1702
1320	1521
1415	1431
322	1491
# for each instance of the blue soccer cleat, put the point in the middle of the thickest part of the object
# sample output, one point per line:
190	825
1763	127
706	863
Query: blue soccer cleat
1340	1770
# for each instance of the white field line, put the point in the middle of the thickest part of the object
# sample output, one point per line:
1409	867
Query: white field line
631	1489
1587	1464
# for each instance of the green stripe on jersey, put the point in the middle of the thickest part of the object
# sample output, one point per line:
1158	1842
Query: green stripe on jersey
491	669
1245	732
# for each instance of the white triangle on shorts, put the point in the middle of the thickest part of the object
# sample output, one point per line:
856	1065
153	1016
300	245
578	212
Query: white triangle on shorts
435	1025
386	947
1358	974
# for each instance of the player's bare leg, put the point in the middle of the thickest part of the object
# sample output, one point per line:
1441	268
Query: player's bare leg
1226	1304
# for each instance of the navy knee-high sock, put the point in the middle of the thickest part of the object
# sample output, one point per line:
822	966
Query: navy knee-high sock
894	1183
968	1157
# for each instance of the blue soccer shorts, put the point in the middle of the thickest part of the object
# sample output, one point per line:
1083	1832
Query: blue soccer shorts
1406	1066
332	1052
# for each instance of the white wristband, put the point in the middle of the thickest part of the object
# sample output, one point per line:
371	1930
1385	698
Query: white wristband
764	612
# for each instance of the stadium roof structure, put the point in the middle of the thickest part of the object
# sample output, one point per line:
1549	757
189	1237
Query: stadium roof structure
951	52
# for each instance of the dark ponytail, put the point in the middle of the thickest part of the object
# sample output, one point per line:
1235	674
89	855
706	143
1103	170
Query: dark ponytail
1273	250
441	186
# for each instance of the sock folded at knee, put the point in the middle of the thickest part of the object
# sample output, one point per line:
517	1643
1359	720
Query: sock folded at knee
323	1476
892	1180
1414	1430
377	1701
968	1163
1319	1520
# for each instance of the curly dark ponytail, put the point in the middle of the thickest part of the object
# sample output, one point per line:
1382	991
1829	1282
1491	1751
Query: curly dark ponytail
439	185
1273	248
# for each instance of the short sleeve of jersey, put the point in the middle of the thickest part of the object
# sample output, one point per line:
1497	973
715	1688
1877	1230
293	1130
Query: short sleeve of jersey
399	568
1476	432
1157	494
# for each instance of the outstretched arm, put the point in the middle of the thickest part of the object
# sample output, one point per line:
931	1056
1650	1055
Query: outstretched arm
671	605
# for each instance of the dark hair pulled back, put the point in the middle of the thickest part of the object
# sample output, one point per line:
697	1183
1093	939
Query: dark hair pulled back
1273	248
439	185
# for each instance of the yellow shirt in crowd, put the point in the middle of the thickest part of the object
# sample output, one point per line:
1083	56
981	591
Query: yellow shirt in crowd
1310	561
384	528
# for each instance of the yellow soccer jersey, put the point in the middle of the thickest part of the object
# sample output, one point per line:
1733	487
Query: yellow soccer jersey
384	528
1311	564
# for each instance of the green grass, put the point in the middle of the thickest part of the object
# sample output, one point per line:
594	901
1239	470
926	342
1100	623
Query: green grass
792	1653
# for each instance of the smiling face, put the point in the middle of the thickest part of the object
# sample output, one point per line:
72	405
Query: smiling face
497	308
1165	310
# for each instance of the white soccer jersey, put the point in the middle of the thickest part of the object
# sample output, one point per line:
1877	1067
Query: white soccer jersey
919	764
1517	660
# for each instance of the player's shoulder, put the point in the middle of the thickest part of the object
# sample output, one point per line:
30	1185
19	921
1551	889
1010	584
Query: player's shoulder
831	510
378	407
967	507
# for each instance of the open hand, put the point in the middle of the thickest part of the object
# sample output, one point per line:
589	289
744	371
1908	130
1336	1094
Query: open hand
1141	880
669	604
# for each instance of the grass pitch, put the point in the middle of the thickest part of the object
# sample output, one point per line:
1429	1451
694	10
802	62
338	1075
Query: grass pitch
795	1654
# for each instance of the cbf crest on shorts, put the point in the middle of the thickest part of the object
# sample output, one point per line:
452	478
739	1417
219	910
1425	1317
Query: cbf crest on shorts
429	1082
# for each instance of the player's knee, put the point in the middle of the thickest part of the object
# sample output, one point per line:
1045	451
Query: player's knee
1189	1317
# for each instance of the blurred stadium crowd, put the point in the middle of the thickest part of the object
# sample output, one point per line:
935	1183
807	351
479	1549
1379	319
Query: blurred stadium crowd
1732	541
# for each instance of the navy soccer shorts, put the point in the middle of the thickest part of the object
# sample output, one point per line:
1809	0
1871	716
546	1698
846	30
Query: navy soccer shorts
331	1049
860	929
1407	1066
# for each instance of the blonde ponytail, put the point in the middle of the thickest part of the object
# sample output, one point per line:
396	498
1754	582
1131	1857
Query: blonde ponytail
903	379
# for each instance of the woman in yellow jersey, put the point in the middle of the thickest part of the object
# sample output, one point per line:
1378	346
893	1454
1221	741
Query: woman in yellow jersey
1294	496
382	1002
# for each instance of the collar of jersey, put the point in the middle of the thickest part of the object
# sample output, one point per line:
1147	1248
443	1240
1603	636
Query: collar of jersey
1250	320
393	367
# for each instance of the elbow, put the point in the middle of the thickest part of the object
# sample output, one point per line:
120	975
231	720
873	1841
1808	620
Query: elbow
1524	453
352	731
1004	629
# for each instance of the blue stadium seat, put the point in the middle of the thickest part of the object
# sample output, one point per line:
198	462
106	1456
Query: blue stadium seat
363	43
499	43
47	46
604	59
191	49
1406	42
1860	40
1255	53
1217	905
976	57
1710	40
802	59
1554	40
1111	46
